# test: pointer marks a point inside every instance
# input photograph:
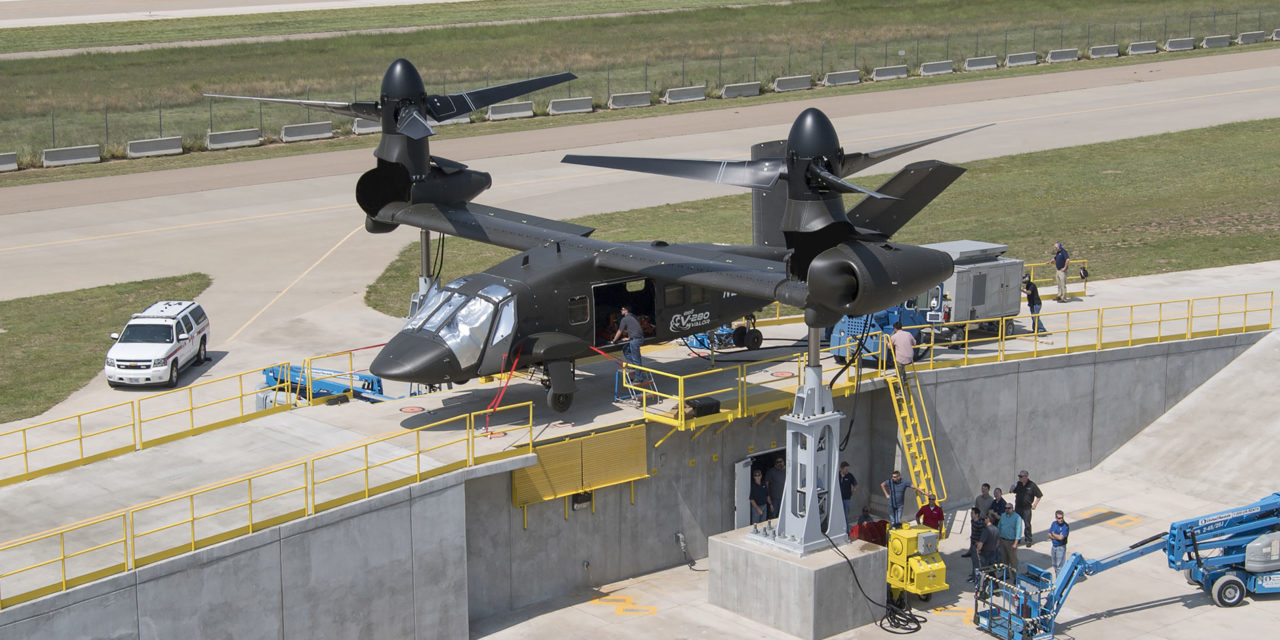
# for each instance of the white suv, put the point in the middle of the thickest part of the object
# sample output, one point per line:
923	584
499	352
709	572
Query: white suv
158	343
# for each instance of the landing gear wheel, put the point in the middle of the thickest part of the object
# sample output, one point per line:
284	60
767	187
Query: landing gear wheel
740	337
754	339
1228	591
173	374
202	355
559	402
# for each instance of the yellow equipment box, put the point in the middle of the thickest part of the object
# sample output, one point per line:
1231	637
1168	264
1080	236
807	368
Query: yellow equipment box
915	566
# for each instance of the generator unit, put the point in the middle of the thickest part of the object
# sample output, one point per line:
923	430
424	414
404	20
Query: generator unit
985	285
915	566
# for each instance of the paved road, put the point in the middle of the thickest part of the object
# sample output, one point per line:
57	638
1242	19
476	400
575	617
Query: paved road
283	240
38	13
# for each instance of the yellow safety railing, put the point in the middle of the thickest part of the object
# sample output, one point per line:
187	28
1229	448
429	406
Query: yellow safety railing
1046	279
203	406
54	445
343	362
116	542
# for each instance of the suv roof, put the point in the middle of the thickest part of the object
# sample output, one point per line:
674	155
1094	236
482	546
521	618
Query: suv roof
167	310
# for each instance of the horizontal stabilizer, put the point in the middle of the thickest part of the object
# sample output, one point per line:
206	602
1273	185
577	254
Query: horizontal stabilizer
915	187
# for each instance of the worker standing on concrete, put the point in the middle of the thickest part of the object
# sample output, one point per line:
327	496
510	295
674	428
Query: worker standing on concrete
1060	260
759	497
1026	497
997	504
930	515
1058	532
776	478
1010	528
895	490
848	486
977	527
1034	304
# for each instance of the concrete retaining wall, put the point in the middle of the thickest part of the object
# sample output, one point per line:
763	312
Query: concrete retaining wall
393	567
685	94
792	83
233	139
889	73
1179	44
982	63
570	105
307	131
361	127
1213	42
630	100
510	110
8	161
837	78
1142	48
87	154
154	147
937	68
1021	59
1062	55
1108	51
740	90
1251	37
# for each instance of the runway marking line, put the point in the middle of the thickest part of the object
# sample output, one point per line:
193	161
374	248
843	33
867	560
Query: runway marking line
625	606
967	612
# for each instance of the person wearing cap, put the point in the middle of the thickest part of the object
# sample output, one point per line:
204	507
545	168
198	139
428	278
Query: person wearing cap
1060	260
930	515
1034	303
1010	527
1026	497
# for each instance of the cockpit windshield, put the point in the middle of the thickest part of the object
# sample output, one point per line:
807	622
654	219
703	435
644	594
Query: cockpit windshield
466	332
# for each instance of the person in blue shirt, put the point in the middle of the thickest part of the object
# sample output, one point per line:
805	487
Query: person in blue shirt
1060	260
1058	532
1010	533
848	486
895	491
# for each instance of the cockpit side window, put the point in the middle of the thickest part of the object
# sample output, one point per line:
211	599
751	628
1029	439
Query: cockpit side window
579	310
506	321
455	300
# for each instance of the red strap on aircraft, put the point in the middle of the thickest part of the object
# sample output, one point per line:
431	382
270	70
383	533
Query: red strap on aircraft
497	400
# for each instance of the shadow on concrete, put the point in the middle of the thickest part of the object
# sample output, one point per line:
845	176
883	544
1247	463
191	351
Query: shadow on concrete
493	624
1187	600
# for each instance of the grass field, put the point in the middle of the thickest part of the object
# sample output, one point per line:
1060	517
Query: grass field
1132	207
110	98
54	344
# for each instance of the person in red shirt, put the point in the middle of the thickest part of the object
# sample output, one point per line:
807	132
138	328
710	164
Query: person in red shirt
931	515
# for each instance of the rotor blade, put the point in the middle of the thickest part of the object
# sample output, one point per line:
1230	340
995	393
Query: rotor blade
363	109
413	125
856	162
754	174
836	184
455	104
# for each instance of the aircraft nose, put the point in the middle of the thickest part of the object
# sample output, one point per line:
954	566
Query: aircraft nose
411	357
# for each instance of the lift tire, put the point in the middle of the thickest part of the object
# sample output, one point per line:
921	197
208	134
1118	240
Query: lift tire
740	337
559	402
1228	591
754	339
1186	575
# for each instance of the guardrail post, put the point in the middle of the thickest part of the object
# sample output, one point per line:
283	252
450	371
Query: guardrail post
191	409
62	561
249	485
135	414
191	502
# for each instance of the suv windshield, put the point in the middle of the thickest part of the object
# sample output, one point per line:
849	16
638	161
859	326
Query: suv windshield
157	333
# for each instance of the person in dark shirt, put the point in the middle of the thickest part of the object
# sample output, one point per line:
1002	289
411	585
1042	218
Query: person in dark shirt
759	497
629	328
988	549
930	515
1060	260
1034	304
978	526
776	478
997	504
848	485
1026	498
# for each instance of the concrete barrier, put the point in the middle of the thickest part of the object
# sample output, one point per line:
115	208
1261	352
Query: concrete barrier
1142	48
153	147
570	105
361	126
1021	59
792	83
1179	44
937	68
8	161
1062	55
232	139
87	154
1105	51
981	63
307	131
880	74
510	110
1214	42
1251	37
740	90
837	78
685	94
630	100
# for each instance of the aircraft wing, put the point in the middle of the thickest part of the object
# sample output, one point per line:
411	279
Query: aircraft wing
701	265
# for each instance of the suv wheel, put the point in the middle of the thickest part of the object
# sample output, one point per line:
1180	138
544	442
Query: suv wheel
201	355
173	374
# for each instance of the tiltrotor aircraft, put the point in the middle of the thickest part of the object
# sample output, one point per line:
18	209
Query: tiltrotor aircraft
549	305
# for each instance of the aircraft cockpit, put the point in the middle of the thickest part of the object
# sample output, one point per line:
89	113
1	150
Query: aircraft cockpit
452	330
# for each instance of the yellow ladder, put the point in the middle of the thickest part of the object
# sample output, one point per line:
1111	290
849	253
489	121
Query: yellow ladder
916	434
